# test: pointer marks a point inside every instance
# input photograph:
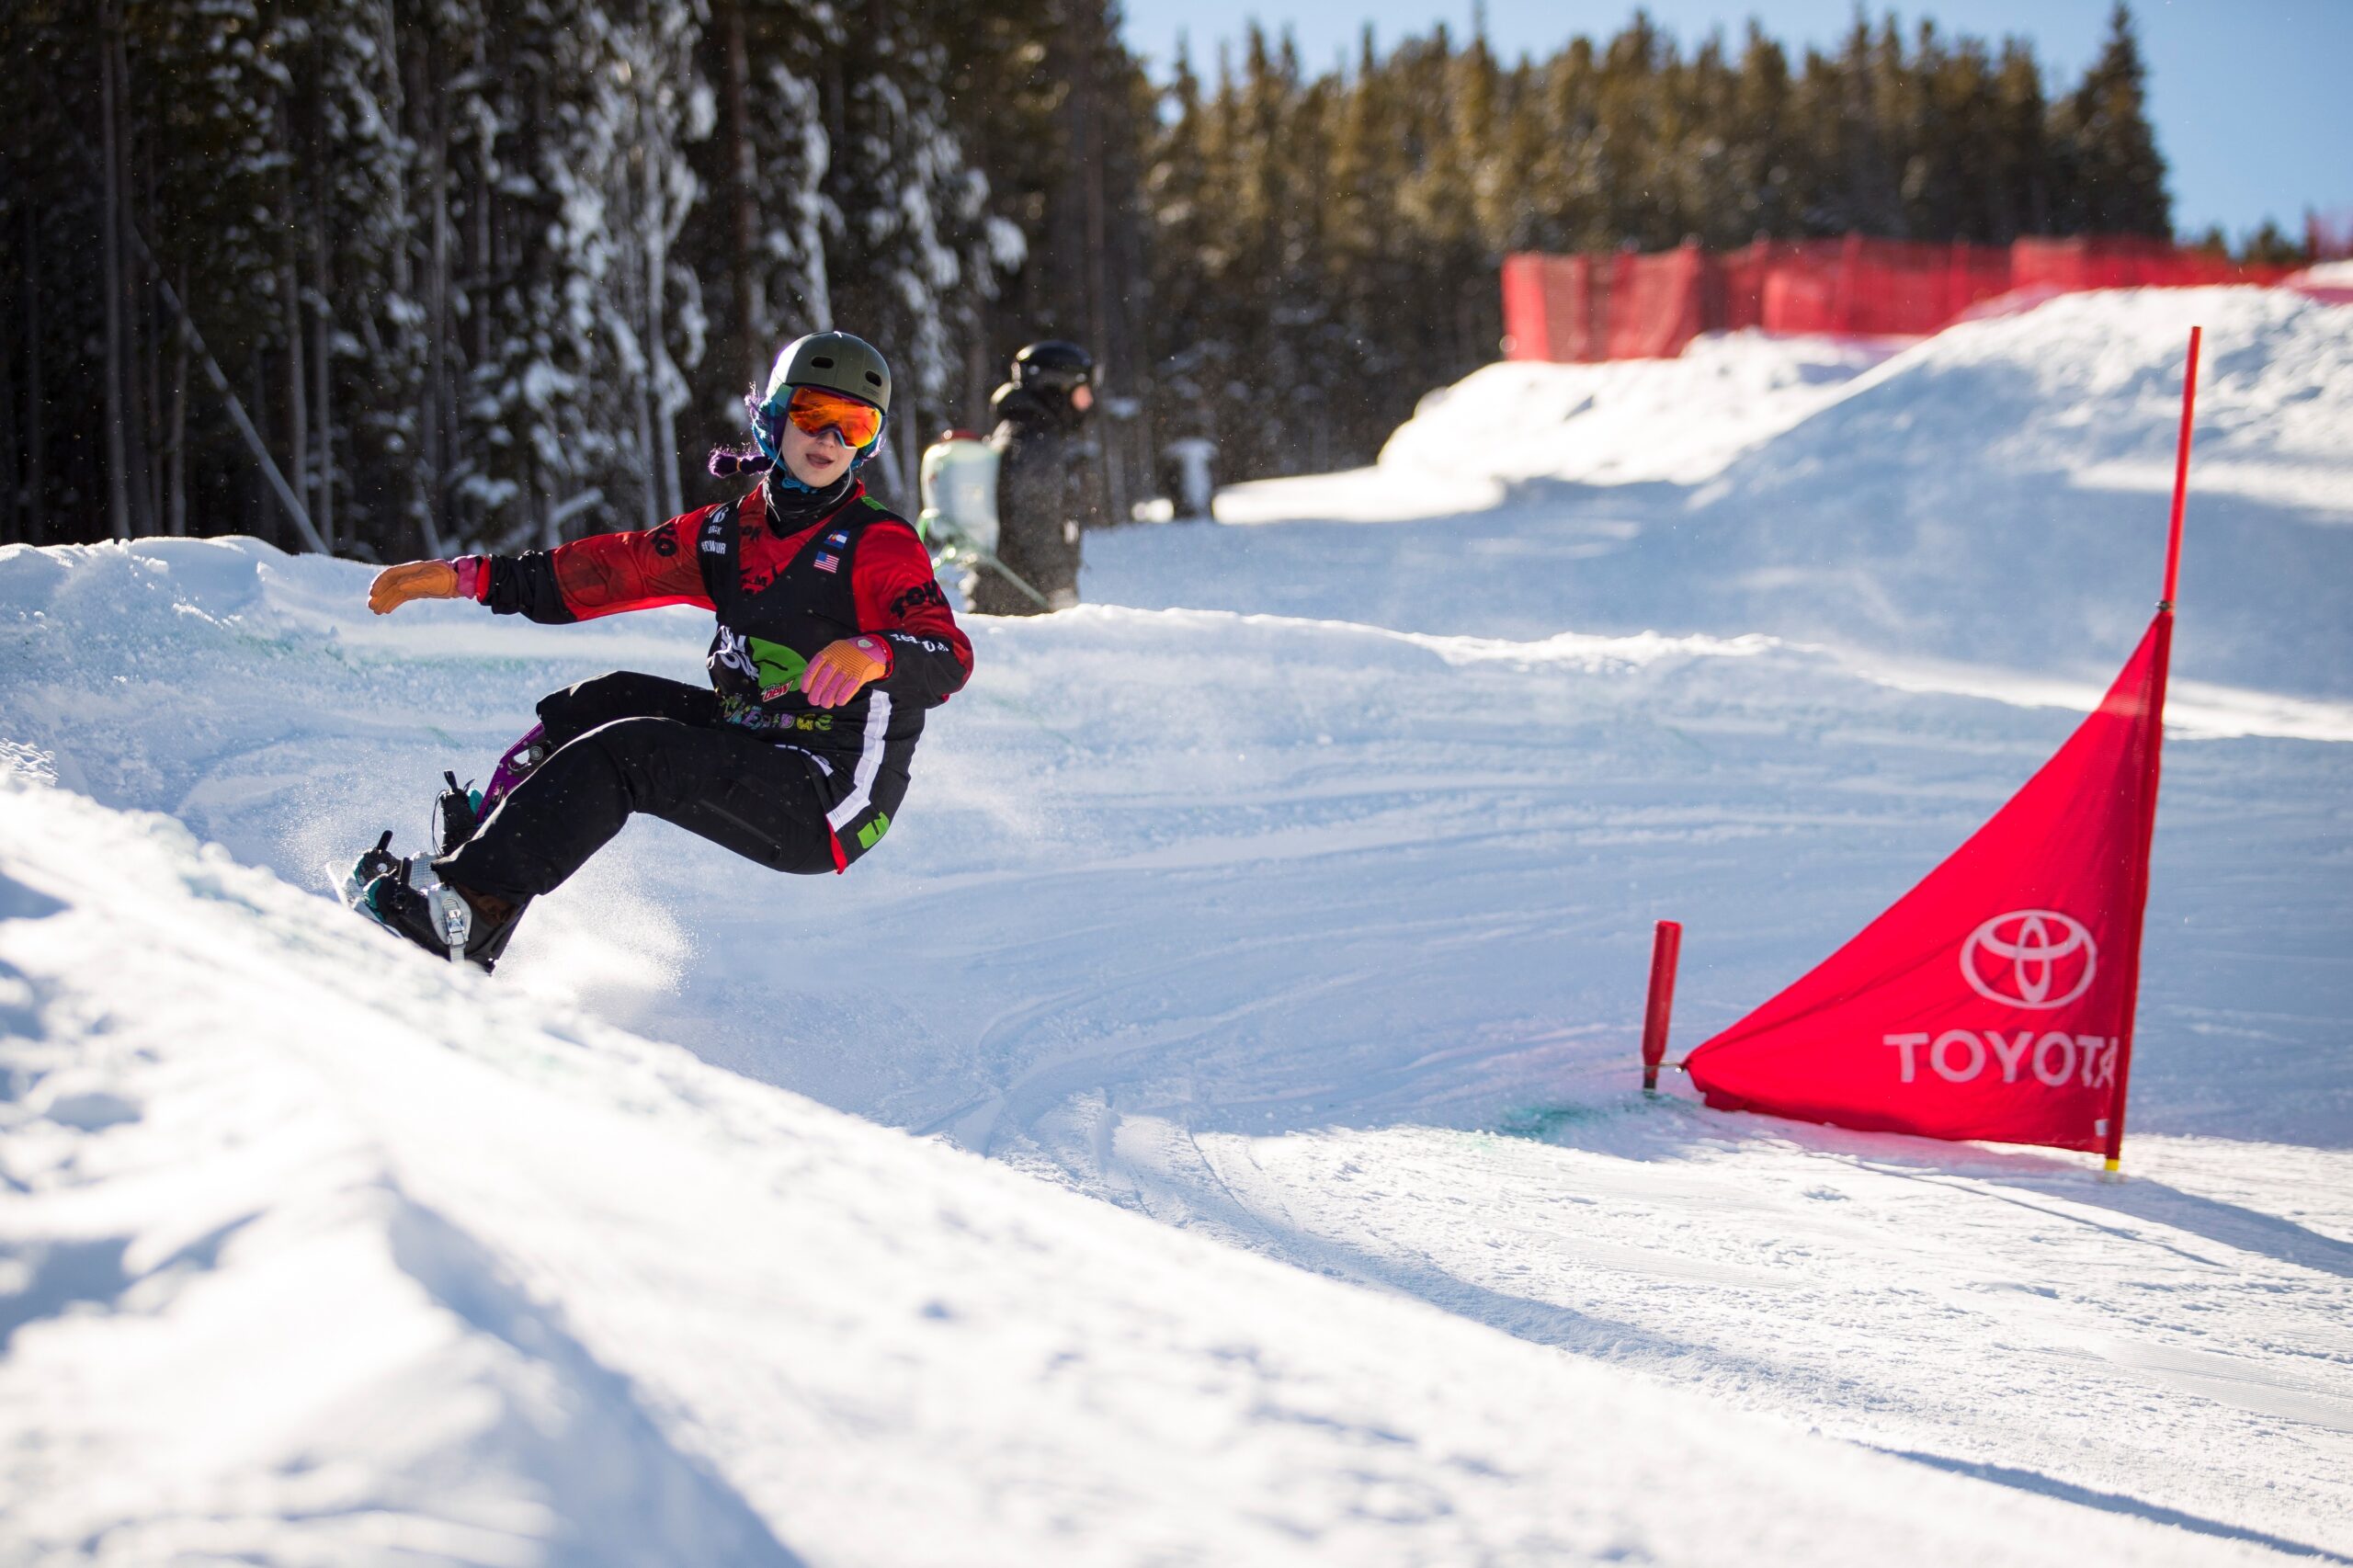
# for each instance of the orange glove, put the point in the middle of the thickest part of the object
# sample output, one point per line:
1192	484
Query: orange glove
395	585
842	667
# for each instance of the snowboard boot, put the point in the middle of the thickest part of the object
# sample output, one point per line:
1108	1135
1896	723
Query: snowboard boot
456	815
444	919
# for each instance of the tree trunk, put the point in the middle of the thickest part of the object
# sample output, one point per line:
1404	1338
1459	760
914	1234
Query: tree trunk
36	394
657	348
1087	142
264	520
289	292
481	251
323	508
110	238
151	336
298	401
980	376
751	310
137	401
648	491
175	502
820	295
435	434
12	484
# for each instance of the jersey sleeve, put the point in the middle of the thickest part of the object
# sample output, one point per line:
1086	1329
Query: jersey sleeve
900	600
602	575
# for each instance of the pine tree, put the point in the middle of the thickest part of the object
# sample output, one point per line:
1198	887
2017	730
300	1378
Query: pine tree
917	255
1181	192
1762	176
2021	179
1568	202
2115	178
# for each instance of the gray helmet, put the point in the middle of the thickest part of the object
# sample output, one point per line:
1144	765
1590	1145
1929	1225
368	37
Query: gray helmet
835	361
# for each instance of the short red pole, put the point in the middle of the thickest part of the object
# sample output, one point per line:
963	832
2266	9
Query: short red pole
1667	944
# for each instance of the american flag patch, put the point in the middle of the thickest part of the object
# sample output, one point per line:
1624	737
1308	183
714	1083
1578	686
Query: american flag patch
826	562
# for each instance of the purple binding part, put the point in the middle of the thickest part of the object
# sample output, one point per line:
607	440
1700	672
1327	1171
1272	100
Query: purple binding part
515	765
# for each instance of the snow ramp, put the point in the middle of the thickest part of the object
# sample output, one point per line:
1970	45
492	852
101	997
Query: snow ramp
1995	496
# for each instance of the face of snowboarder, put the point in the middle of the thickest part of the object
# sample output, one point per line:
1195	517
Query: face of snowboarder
814	458
1082	397
823	432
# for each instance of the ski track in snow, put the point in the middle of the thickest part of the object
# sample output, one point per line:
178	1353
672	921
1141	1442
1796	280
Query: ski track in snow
1299	897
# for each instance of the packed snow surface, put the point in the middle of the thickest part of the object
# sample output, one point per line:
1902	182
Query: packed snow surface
1275	929
1621	422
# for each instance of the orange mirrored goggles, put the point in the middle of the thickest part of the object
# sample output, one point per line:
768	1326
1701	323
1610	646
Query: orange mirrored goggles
816	411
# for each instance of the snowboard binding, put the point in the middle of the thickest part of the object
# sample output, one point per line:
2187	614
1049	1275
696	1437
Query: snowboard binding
516	765
459	812
373	865
437	918
390	890
456	814
399	894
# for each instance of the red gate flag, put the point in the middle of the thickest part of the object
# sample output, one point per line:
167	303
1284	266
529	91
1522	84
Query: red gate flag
1995	1000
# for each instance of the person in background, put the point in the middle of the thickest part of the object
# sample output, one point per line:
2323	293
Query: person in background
1050	479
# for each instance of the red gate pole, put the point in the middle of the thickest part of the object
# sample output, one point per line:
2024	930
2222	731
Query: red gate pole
1667	944
2181	471
2115	1151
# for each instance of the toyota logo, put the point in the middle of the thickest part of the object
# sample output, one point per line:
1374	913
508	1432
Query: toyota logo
2036	959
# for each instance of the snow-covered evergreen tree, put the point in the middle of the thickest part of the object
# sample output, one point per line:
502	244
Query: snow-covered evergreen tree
761	229
488	273
918	252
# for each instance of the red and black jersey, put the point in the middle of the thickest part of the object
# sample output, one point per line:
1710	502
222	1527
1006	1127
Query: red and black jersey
782	590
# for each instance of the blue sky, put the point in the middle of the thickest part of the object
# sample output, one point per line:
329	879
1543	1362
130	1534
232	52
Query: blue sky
2252	99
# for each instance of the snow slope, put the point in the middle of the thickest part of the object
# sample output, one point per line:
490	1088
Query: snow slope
1318	934
1994	497
320	1252
1621	422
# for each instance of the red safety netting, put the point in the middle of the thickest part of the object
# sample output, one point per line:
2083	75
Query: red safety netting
1551	311
2120	262
1655	302
1626	306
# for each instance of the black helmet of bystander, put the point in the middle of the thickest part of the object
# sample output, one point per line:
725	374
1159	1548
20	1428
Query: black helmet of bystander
1054	366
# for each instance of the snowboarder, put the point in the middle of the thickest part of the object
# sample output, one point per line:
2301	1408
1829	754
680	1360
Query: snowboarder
1049	479
834	638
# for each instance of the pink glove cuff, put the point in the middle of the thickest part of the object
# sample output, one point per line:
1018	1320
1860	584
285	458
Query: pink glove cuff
473	576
